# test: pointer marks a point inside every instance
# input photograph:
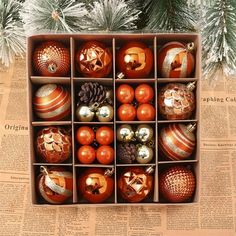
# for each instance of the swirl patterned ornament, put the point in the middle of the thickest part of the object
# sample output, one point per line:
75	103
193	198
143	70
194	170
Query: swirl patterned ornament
55	185
51	59
52	102
175	60
177	141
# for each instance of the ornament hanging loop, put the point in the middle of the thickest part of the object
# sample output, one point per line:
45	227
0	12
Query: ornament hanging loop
191	86
109	172
120	75
191	127
43	170
149	170
190	47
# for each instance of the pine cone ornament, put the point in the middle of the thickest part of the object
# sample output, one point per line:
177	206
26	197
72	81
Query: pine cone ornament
126	153
90	93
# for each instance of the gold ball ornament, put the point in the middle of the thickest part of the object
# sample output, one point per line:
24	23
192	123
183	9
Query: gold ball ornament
84	113
105	113
144	133
144	154
125	133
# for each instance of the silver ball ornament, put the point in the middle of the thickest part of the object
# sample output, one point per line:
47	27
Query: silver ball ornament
144	133
105	113
144	154
125	133
84	113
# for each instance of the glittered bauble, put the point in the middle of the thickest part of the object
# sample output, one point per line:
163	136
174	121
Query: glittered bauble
144	93
175	60
144	133
144	154
125	93
52	102
94	60
177	141
85	135
105	155
55	184
105	135
126	112
96	184
105	113
135	60
53	144
177	184
177	101
84	113
126	153
146	112
51	59
125	133
135	183
86	154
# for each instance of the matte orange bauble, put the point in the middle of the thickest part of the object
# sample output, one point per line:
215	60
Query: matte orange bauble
86	154
135	60
126	112
105	155
94	60
125	93
105	135
144	93
146	112
96	185
85	135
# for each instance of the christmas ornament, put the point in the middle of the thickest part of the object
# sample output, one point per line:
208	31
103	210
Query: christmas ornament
51	59
104	135
144	93
135	60
94	59
55	184
125	133
144	133
126	112
126	153
96	184
177	184
144	154
53	144
84	113
105	155
135	183
105	113
146	112
52	102
176	101
86	154
125	93
177	141
85	135
175	60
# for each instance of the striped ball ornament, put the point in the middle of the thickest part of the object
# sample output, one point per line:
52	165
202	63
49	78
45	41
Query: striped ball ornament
55	185
175	60
52	102
177	141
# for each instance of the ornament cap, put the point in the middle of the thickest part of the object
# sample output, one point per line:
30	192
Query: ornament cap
191	127
191	86
44	170
190	46
120	75
149	170
109	172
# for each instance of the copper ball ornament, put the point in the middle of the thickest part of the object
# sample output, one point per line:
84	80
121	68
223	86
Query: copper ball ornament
51	58
177	141
94	60
144	93
176	101
105	155
135	183
55	184
135	60
146	112
52	102
84	113
175	60
144	133
126	112
96	184
85	135
53	144
125	133
105	113
86	154
105	135
177	184
125	93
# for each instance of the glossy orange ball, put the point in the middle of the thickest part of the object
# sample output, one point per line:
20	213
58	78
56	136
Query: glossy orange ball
144	93
105	135
126	112
85	135
105	155
86	154
125	93
146	112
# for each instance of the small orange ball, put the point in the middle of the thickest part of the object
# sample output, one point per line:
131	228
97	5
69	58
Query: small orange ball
125	93
126	112
105	155
85	135
105	135
86	154
144	93
146	112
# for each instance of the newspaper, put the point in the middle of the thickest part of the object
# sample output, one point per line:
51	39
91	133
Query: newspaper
214	215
